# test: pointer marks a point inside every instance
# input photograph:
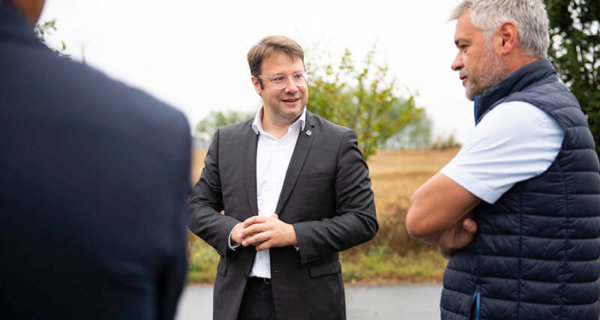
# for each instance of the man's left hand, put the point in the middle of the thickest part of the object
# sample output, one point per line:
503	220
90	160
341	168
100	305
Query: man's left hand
265	232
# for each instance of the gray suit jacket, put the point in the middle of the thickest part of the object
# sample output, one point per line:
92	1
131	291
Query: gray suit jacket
326	196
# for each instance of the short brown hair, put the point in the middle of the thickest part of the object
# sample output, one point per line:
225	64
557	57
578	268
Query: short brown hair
267	46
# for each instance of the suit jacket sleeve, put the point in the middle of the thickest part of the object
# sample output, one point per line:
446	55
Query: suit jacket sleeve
206	204
355	221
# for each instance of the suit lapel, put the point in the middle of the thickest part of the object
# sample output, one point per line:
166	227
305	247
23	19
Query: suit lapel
249	163
303	143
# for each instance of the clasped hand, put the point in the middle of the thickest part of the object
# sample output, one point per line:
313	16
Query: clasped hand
457	237
264	232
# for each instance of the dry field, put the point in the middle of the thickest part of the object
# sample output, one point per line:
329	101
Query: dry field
392	256
395	174
197	164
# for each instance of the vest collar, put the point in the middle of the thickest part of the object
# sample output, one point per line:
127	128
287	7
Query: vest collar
514	82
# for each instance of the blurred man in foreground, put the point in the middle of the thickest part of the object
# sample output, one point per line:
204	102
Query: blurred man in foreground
518	209
93	187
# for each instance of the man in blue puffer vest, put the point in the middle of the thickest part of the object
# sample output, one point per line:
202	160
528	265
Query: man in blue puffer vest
517	210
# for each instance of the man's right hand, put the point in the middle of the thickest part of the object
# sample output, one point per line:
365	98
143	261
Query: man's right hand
457	237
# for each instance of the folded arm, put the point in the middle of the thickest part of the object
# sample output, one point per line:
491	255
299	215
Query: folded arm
441	213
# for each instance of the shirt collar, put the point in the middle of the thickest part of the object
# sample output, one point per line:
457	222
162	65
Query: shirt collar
257	123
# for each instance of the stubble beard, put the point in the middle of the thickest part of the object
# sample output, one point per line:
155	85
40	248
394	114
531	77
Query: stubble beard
488	73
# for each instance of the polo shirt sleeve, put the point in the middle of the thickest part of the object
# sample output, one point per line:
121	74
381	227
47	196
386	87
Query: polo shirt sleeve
514	142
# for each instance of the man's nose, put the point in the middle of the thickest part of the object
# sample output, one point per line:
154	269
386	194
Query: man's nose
457	64
290	86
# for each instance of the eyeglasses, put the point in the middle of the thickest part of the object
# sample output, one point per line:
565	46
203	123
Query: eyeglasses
280	81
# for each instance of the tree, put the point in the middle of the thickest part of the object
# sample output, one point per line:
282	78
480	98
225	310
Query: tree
575	53
217	119
362	98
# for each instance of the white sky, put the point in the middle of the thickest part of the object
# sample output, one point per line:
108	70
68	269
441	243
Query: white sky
192	53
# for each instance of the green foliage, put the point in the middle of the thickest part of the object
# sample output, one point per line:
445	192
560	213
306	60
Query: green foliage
43	29
393	254
378	264
202	261
361	97
217	119
575	52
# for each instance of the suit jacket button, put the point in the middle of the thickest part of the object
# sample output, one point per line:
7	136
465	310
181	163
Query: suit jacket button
275	271
245	276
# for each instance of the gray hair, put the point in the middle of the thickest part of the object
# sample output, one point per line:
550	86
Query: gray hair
529	16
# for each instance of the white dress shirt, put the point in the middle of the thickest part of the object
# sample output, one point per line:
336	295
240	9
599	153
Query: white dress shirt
514	142
272	159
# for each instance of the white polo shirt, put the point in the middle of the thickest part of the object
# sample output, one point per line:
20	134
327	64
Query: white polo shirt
514	142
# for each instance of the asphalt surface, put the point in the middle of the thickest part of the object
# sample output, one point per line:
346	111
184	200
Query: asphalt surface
370	303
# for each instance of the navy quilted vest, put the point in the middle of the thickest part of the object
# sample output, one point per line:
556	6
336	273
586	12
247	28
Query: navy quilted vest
536	253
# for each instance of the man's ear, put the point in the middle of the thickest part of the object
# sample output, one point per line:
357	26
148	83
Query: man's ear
509	35
257	85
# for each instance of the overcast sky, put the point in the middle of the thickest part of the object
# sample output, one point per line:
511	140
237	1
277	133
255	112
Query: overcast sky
192	54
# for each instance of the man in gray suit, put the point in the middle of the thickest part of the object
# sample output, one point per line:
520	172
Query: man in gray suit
295	191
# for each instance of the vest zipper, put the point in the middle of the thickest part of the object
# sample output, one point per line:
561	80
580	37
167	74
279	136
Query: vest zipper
475	306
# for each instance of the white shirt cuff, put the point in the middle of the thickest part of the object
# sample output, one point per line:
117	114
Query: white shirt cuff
232	246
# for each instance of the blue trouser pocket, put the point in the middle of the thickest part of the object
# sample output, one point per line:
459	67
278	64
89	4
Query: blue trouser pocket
475	306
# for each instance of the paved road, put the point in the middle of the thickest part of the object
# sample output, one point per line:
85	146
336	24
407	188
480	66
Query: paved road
362	303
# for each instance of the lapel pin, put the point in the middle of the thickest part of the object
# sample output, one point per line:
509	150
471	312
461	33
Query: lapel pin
308	132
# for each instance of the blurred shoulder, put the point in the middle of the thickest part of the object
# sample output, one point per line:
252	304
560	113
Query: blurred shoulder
103	95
